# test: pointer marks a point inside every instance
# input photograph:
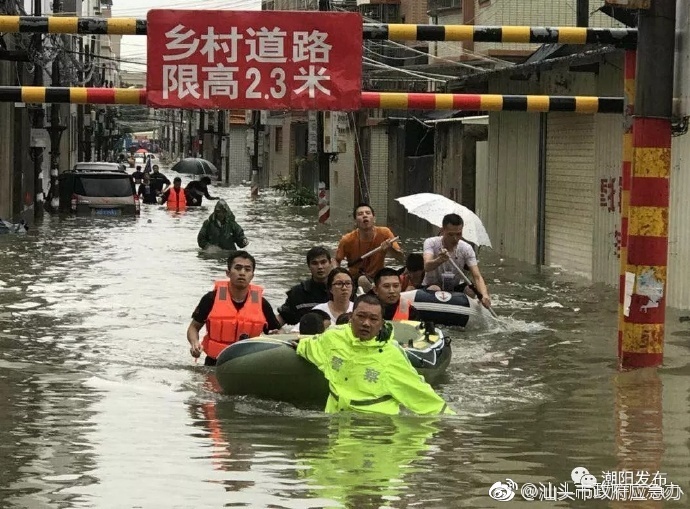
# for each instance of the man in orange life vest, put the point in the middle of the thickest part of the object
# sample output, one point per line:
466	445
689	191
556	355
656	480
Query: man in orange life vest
387	288
234	310
175	196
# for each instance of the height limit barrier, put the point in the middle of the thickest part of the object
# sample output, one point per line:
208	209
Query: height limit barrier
324	72
623	37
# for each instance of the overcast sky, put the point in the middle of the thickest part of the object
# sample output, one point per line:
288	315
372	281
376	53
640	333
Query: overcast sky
134	46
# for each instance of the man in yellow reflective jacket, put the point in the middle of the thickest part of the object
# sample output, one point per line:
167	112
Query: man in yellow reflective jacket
366	369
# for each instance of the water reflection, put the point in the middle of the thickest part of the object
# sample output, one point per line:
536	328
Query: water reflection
639	427
368	462
334	461
43	425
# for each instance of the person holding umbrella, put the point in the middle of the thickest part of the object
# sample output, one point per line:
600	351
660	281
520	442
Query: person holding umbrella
445	255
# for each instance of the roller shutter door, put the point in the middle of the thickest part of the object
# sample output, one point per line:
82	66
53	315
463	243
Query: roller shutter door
570	189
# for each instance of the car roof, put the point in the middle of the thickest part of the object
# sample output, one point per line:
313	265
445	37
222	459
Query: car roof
98	166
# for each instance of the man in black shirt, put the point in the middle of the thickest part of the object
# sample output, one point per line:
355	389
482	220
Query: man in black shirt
307	294
159	182
146	191
137	175
233	311
387	288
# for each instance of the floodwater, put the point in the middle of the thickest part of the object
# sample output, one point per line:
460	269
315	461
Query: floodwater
101	405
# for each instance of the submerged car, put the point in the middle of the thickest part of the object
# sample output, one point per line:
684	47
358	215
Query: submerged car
98	189
99	166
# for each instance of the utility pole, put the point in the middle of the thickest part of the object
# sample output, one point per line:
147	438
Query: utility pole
189	133
55	129
80	107
223	148
181	132
256	122
38	121
582	13
200	132
324	158
647	241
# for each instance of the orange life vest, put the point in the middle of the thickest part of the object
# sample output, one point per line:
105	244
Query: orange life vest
402	312
177	199
225	324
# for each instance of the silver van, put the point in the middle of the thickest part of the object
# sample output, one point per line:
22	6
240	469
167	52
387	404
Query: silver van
98	189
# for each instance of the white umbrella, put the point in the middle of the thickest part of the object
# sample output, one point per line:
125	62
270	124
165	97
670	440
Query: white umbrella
432	207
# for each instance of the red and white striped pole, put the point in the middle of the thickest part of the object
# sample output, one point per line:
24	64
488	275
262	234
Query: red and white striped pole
324	207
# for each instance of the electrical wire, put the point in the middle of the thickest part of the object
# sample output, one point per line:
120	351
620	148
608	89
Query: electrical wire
421	72
460	53
364	192
199	5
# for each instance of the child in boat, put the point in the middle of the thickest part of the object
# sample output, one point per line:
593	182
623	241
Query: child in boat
314	322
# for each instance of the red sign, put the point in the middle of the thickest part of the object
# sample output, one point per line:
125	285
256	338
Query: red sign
261	60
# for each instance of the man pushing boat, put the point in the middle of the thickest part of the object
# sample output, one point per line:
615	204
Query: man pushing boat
367	370
235	309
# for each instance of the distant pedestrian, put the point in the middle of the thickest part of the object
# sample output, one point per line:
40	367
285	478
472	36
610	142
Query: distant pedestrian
138	175
146	191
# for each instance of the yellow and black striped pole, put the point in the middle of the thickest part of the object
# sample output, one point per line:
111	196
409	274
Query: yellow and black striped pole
382	100
72	25
620	37
491	102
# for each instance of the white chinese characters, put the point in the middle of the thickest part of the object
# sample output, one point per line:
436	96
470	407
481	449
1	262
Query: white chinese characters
197	63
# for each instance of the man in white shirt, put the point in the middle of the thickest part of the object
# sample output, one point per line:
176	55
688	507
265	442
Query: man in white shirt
440	271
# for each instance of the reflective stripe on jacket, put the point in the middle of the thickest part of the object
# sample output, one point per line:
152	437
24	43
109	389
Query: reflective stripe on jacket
225	324
176	199
368	376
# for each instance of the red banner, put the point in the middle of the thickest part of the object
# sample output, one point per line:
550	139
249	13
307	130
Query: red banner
261	60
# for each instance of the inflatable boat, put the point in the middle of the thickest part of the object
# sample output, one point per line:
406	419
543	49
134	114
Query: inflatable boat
267	367
446	308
